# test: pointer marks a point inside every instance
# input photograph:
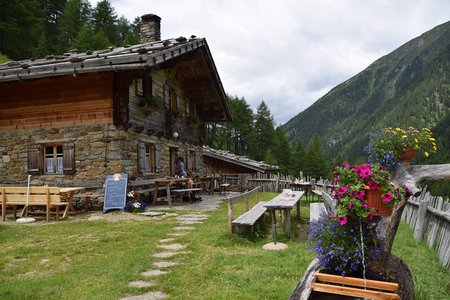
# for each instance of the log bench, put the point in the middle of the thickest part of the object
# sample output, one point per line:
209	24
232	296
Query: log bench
49	197
246	222
249	218
181	192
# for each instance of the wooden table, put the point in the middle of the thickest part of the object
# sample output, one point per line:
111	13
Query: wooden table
66	194
284	202
167	182
303	186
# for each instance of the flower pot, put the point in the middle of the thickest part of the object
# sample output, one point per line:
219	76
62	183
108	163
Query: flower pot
408	155
374	200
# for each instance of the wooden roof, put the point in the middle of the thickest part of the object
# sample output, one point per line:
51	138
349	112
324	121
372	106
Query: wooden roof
192	58
244	161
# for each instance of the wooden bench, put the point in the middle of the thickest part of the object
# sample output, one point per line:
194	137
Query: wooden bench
181	192
247	221
38	196
355	287
249	218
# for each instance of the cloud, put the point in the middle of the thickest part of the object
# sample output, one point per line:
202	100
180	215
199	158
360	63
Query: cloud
289	53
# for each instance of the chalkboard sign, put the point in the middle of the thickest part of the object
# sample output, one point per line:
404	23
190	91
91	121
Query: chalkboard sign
115	191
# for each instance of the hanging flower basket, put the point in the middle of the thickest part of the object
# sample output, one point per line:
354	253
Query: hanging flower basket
408	155
374	200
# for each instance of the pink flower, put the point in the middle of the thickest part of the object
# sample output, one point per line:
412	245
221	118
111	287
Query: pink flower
343	220
387	197
330	216
370	216
350	206
346	166
342	190
365	205
373	185
363	171
357	194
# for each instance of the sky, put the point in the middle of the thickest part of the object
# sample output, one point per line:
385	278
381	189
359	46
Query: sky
289	53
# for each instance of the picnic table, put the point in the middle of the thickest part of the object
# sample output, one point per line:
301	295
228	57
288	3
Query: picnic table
167	182
305	186
284	202
67	193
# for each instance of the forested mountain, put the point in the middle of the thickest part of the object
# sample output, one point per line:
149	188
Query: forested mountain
408	87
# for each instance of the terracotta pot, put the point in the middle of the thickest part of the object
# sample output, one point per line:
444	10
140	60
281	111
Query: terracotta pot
408	155
374	200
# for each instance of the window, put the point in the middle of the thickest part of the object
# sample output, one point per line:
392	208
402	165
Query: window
51	159
144	87
149	158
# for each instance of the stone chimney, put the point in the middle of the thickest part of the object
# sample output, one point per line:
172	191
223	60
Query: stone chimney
150	28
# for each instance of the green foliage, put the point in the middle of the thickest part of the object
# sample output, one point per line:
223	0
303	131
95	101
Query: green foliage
315	164
41	27
3	58
408	87
264	130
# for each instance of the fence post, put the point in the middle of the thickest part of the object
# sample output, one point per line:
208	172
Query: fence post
230	216
419	230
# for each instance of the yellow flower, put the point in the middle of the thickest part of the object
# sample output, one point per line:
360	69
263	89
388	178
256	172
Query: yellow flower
427	154
404	136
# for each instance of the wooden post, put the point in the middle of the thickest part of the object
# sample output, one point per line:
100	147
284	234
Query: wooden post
47	210
419	230
257	197
230	216
247	207
4	205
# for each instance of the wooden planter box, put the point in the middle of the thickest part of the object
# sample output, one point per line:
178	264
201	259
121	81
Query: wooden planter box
354	287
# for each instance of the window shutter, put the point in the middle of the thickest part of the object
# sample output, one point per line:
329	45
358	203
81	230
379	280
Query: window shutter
158	157
197	161
34	159
141	157
166	95
69	158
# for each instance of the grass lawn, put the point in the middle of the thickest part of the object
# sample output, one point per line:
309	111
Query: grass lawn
96	259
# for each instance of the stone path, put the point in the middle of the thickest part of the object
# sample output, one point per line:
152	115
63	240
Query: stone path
171	249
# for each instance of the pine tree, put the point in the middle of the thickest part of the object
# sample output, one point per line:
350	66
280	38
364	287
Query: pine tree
298	157
75	15
281	151
104	19
264	130
315	163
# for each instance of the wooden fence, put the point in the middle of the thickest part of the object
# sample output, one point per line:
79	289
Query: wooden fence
429	217
267	182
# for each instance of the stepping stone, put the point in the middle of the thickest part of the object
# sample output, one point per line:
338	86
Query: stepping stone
192	217
190	222
165	264
167	240
152	214
168	254
183	228
172	246
141	283
157	295
177	234
153	273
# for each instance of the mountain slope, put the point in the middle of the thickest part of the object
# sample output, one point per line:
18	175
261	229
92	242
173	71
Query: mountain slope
408	87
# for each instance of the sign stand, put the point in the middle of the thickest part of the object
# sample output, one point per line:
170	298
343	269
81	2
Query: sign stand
115	191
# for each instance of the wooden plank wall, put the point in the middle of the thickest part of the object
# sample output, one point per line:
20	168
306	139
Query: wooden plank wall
429	217
56	102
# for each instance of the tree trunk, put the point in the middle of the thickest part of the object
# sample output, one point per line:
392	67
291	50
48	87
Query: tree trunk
409	176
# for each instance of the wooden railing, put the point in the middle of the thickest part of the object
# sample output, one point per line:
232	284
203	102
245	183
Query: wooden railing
237	198
429	217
